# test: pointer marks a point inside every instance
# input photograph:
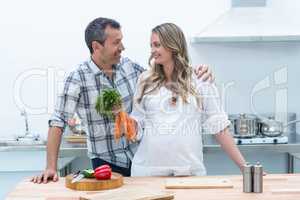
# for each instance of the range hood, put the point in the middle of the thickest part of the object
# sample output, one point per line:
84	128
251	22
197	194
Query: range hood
244	22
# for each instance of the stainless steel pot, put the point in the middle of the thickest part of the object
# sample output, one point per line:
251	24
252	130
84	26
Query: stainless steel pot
270	127
232	119
246	126
289	124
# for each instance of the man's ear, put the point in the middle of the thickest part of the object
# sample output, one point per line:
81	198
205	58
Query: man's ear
96	46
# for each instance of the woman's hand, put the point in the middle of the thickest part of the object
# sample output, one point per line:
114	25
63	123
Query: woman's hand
204	73
242	169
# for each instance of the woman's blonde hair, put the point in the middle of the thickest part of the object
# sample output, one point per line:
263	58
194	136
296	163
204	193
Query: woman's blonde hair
171	38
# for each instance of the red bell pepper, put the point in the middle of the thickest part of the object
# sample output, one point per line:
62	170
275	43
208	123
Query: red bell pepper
105	175
102	167
103	172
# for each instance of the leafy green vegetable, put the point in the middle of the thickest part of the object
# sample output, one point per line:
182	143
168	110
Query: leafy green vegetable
107	100
88	173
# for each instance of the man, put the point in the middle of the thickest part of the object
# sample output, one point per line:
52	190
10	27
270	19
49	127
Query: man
104	69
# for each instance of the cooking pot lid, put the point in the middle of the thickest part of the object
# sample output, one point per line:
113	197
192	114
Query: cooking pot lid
243	116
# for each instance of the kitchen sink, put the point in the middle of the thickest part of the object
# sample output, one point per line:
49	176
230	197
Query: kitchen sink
25	139
23	142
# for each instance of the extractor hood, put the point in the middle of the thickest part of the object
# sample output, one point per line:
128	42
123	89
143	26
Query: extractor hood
265	21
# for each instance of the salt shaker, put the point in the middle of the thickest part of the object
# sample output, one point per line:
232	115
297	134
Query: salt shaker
247	178
258	178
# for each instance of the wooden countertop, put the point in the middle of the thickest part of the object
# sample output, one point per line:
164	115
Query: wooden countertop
276	187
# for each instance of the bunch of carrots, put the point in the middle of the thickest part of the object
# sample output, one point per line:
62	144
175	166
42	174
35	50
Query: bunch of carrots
107	103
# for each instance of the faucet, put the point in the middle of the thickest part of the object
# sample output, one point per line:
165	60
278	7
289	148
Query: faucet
27	134
24	113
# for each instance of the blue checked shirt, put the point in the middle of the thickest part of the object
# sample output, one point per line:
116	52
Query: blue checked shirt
81	88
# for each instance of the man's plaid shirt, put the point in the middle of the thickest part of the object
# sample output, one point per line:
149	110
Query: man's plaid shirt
79	94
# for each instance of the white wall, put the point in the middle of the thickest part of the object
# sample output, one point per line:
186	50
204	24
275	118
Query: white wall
46	38
241	66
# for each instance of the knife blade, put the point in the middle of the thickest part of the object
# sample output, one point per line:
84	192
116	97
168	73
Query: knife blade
76	174
77	178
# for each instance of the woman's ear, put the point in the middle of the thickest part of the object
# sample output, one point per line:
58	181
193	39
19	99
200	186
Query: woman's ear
174	53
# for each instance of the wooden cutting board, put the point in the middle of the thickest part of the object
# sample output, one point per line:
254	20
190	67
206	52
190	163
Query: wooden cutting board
197	183
75	138
92	184
137	193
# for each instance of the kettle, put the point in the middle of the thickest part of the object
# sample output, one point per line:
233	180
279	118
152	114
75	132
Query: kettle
271	127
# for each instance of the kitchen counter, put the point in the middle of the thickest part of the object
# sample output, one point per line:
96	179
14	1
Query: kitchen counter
210	145
77	149
276	187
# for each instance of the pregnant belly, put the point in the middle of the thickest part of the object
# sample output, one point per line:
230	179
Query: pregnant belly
169	149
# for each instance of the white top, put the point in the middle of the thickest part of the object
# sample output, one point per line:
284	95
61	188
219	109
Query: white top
171	135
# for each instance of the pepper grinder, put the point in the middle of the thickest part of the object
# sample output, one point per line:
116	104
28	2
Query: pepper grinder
258	178
248	178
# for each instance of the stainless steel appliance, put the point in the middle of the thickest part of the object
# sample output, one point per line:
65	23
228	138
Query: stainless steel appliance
270	127
262	140
289	124
263	129
245	126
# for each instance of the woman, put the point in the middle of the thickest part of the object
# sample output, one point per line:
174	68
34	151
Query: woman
171	108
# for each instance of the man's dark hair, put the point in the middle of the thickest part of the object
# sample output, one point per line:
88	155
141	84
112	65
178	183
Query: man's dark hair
95	31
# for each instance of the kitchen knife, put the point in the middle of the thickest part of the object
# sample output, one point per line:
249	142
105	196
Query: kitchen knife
77	178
